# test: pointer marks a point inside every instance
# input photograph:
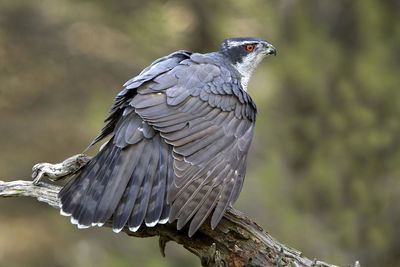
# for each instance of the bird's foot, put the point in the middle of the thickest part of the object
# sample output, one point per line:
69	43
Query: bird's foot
58	171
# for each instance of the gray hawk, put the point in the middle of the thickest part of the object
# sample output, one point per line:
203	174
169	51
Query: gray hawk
180	133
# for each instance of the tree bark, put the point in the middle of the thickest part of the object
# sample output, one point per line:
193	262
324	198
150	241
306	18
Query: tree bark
237	240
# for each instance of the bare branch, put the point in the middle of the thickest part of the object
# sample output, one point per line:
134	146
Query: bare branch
237	240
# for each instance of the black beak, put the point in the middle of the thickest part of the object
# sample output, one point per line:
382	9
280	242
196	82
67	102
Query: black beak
270	50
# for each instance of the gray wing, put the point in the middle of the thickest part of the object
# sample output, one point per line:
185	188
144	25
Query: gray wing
130	176
158	67
200	109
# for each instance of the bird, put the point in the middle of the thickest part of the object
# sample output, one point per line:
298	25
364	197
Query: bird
179	134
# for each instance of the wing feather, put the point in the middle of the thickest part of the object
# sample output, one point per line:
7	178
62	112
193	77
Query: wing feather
205	209
198	196
224	200
209	124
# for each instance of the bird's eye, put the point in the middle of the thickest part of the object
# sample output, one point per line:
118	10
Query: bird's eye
250	47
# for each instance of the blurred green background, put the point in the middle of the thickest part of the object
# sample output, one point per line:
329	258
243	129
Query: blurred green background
323	173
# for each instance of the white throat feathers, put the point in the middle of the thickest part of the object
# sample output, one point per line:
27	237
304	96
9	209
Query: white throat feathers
247	66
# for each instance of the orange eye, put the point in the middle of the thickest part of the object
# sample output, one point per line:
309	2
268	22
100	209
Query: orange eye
249	47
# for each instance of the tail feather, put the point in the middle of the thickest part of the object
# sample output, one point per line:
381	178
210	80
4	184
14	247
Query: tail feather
71	194
80	191
127	183
127	202
156	201
85	217
116	184
170	174
139	210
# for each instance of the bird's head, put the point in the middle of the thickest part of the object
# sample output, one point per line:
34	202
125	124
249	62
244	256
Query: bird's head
245	53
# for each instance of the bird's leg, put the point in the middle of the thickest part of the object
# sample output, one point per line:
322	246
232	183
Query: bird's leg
58	171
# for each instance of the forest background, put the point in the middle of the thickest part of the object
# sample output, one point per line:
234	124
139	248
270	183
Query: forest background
324	168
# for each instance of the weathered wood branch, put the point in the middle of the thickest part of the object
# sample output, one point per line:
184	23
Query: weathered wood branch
237	240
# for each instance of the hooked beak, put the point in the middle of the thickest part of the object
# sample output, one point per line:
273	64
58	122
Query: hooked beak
269	50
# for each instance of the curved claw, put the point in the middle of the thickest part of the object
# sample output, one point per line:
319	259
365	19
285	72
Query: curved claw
58	171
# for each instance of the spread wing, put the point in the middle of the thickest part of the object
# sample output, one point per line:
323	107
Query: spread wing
199	109
180	131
